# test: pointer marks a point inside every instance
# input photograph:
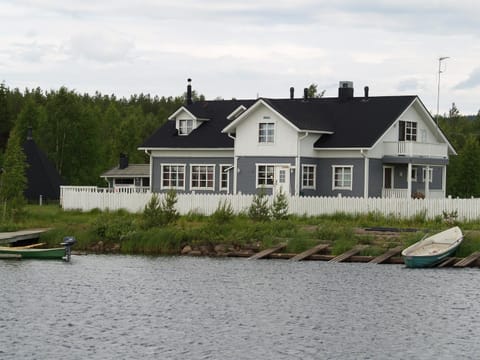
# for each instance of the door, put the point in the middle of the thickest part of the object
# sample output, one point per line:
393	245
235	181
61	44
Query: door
282	180
388	177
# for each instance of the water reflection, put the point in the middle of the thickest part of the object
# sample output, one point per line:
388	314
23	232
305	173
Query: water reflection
110	307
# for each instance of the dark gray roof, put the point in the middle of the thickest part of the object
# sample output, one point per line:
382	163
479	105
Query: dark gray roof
356	122
132	170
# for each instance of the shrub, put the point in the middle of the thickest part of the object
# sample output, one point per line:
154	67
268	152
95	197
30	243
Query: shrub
280	206
158	213
259	210
223	213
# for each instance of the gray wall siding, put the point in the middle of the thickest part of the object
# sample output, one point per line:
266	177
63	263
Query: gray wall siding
187	161
246	176
375	178
324	176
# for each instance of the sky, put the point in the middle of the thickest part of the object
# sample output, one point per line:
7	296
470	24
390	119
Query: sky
245	49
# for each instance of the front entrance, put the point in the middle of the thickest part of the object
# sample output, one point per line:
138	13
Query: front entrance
388	177
282	180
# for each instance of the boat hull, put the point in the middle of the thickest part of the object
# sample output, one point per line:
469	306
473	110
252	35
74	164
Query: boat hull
434	249
52	253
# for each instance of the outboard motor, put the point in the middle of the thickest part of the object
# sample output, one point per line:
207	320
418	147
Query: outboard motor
68	242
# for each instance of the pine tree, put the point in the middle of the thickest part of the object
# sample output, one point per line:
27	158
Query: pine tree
13	180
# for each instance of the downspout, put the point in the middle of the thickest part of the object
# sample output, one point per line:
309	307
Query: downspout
151	168
297	165
366	168
235	164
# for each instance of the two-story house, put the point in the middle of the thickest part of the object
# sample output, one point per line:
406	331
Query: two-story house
364	146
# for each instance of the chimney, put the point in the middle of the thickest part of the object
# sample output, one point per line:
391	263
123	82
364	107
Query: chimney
345	90
305	94
366	91
292	92
189	92
123	162
29	133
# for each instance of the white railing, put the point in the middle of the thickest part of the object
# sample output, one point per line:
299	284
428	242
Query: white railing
412	148
89	198
395	193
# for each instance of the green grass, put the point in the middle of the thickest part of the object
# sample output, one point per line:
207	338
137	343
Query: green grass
126	232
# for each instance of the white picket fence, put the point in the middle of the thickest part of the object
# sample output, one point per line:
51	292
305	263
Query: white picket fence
86	198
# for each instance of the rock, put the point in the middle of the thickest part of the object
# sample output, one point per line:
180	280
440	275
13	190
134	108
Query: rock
186	249
195	253
220	249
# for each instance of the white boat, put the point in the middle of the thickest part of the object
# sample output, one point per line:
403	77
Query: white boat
433	249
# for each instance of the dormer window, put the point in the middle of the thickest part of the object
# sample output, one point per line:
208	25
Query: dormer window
185	127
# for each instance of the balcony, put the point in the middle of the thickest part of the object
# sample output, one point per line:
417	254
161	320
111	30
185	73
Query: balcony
414	148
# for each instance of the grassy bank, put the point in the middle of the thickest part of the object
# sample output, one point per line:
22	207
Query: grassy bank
125	233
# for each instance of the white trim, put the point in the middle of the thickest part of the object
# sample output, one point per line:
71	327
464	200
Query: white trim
257	185
172	187
333	177
182	108
184	149
430	173
266	120
314	187
235	112
414	178
202	188
392	176
228	167
188	130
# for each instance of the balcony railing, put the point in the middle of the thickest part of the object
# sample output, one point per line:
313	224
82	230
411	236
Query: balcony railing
414	148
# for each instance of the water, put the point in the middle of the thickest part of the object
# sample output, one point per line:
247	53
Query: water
133	307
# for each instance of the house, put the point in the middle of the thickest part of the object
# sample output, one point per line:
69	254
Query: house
127	175
365	146
43	179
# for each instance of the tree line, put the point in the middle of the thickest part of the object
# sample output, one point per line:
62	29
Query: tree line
84	134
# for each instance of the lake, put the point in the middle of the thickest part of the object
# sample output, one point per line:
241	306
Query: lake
135	307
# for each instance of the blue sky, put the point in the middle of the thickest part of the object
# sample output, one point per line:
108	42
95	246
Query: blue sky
244	49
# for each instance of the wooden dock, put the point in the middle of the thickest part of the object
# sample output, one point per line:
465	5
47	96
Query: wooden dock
348	254
468	260
267	252
309	252
15	236
447	262
10	256
389	254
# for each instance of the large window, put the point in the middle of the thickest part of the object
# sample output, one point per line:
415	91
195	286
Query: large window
265	175
407	131
266	132
173	176
185	127
203	177
224	177
342	177
308	177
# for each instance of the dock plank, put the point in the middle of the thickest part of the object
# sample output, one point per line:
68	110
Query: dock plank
384	257
309	252
468	260
348	254
447	262
14	236
10	256
266	252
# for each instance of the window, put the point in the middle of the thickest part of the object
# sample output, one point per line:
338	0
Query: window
266	133
185	127
342	177
202	177
173	176
414	174
308	176
430	174
265	175
407	131
224	176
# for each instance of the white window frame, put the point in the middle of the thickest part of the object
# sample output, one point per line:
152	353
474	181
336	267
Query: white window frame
185	126
206	187
224	170
266	136
257	177
410	130
314	172
414	174
162	186
342	186
430	174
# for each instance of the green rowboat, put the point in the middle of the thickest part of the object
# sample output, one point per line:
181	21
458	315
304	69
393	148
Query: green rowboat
434	249
27	253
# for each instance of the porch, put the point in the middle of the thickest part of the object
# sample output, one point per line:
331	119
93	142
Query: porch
405	194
